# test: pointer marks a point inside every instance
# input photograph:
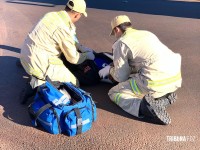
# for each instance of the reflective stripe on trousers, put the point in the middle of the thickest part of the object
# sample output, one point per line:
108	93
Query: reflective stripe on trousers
117	98
131	106
134	87
123	95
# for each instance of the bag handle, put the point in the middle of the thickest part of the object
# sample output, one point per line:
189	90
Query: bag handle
56	84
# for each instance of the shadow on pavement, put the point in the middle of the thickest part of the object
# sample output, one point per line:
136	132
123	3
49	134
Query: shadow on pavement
99	94
11	83
154	7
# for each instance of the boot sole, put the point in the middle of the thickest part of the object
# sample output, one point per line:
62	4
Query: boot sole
159	112
166	101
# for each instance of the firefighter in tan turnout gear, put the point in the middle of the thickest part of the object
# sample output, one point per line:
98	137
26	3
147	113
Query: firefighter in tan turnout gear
148	72
53	35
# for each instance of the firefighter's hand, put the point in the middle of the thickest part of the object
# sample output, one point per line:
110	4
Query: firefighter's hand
104	72
90	55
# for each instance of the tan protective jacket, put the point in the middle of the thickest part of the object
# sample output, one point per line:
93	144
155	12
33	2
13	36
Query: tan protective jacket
53	34
140	55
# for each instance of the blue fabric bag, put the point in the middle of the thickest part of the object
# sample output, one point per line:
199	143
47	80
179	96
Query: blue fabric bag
57	113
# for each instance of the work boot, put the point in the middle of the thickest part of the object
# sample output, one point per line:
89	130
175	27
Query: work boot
151	108
167	99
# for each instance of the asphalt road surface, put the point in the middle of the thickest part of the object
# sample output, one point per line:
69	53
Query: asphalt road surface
177	25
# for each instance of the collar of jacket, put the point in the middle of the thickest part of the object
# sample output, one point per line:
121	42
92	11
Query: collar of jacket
128	30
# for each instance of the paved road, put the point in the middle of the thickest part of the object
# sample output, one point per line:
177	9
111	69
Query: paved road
177	25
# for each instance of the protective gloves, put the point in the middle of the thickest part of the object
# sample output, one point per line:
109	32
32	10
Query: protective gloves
84	49
90	55
104	72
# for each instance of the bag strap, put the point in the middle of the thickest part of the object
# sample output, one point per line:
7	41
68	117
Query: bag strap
34	115
57	119
79	121
92	104
42	109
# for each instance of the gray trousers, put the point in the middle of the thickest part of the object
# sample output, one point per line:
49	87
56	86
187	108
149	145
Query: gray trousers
128	96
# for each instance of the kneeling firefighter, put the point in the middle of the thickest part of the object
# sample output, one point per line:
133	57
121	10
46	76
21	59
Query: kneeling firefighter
148	72
55	35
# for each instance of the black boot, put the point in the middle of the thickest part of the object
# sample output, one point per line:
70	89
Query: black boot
151	108
167	99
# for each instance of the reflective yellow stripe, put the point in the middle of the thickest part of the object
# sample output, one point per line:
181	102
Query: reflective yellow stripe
134	87
30	70
55	61
64	18
164	81
117	98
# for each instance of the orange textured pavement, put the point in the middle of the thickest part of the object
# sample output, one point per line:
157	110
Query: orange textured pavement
178	28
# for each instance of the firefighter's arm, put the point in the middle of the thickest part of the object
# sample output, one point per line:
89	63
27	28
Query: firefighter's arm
68	47
121	70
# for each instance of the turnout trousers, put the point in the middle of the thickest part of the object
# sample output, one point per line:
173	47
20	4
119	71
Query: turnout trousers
128	96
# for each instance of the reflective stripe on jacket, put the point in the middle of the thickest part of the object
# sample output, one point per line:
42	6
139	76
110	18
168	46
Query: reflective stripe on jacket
141	55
